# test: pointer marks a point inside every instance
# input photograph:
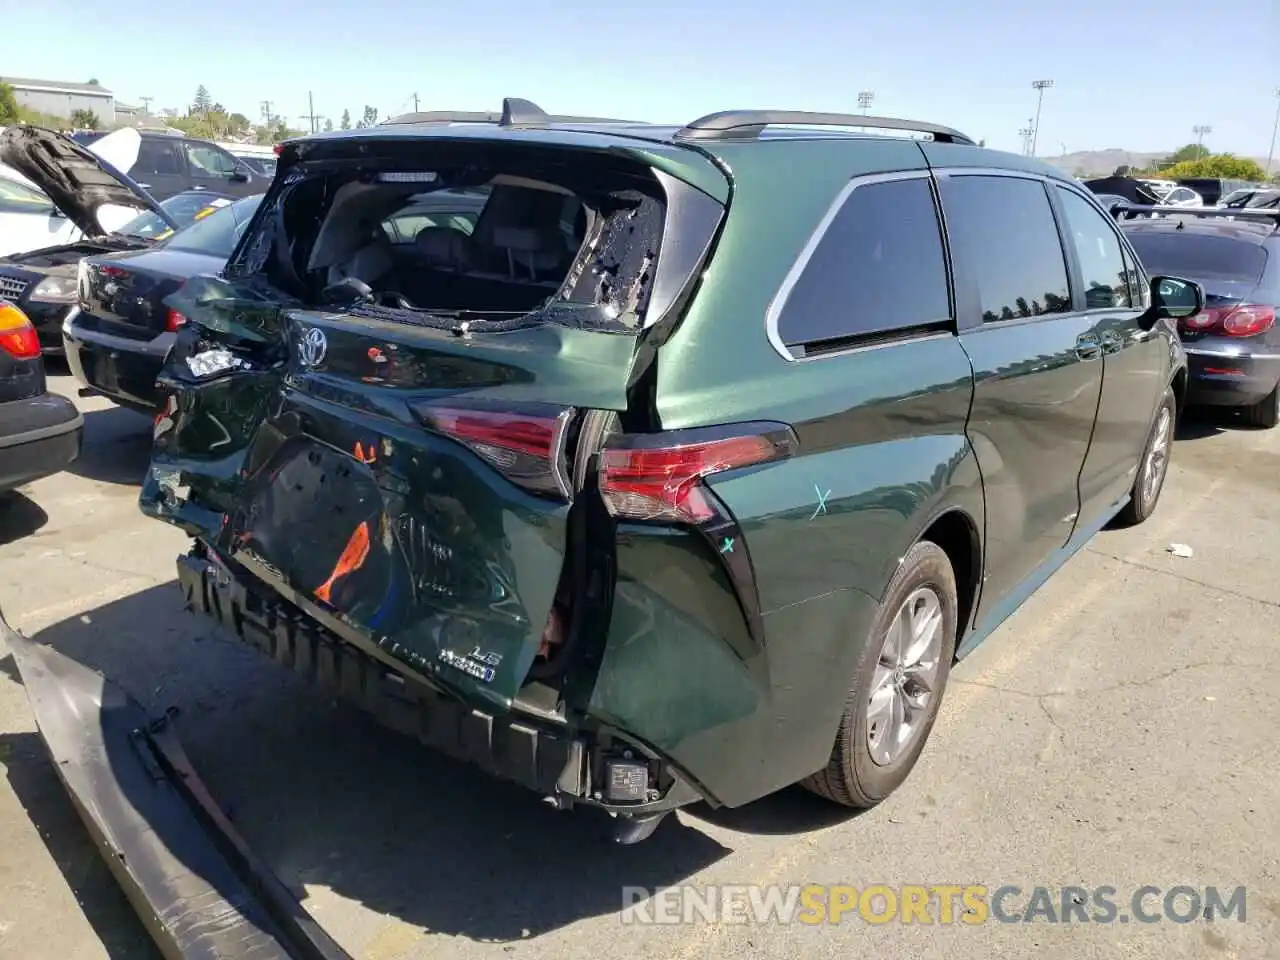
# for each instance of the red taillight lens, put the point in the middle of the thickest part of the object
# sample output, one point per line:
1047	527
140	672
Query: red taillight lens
1206	319
524	443
173	320
17	335
662	479
277	149
1248	319
1241	320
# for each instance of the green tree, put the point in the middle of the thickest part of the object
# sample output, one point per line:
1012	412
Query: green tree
85	120
94	81
370	118
238	123
1223	165
328	125
203	102
1192	151
345	122
9	112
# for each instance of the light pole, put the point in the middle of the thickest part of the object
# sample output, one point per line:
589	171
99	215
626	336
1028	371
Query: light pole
1274	127
1025	133
1200	131
1040	86
864	100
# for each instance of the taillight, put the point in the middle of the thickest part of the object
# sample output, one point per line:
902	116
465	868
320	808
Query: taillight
524	442
659	476
173	320
1248	319
17	335
277	149
1238	320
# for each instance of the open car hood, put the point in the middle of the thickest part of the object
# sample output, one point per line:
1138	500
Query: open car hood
80	181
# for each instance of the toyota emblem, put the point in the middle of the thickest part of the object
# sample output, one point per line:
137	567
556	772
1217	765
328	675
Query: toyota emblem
312	347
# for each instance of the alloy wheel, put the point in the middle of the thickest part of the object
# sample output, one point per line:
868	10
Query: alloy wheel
906	676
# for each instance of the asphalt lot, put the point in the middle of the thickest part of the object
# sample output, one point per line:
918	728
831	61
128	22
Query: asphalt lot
1119	730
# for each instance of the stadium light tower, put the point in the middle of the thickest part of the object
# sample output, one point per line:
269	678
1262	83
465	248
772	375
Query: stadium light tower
864	100
1040	86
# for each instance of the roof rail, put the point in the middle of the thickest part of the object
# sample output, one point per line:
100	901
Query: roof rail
515	113
1242	213
749	124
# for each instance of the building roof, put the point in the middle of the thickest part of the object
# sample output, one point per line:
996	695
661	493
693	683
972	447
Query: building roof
57	86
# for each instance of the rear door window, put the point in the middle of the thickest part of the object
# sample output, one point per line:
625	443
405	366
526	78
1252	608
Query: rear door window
878	268
1102	266
1007	230
159	158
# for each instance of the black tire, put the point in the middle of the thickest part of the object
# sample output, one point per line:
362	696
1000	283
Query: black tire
852	777
1143	497
1266	412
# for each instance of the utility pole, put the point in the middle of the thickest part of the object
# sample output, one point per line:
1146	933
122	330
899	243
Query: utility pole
1040	86
865	99
1025	133
146	105
1274	127
311	114
266	111
1200	131
415	103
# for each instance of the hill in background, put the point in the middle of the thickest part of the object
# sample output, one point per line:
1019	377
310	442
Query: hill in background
1102	163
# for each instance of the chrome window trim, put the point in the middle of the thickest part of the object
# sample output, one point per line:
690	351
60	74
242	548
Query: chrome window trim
779	301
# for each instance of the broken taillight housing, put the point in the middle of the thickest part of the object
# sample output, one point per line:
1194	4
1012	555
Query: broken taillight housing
173	321
17	335
660	476
523	442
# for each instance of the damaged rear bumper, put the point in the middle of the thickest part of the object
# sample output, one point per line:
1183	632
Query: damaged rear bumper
569	767
195	884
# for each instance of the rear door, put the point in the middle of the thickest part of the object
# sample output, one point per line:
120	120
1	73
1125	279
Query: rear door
1037	366
161	167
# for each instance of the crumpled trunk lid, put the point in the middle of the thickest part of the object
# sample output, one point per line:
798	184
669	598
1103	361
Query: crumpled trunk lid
306	460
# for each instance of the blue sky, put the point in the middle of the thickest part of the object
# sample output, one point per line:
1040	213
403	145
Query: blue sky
1128	73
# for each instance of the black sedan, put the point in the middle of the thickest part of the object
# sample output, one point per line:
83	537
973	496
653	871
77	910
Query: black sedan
117	336
1233	345
40	432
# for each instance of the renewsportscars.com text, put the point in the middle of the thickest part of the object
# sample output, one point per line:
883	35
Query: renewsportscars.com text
966	904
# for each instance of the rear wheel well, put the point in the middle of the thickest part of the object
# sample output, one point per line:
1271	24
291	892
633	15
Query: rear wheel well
956	534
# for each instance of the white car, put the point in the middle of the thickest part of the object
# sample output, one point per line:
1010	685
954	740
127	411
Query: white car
29	220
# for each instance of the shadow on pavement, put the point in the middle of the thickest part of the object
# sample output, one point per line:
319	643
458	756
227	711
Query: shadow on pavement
328	799
791	811
31	776
117	447
20	516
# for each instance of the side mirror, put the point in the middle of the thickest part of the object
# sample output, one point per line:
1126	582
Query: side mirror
1175	299
240	174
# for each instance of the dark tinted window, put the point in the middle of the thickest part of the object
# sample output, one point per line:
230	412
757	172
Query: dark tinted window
879	267
157	156
1183	254
1006	228
1102	266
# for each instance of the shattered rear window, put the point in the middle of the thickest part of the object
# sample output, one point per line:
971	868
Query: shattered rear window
490	240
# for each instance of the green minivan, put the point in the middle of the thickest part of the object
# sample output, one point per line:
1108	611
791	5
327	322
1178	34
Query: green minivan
688	469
